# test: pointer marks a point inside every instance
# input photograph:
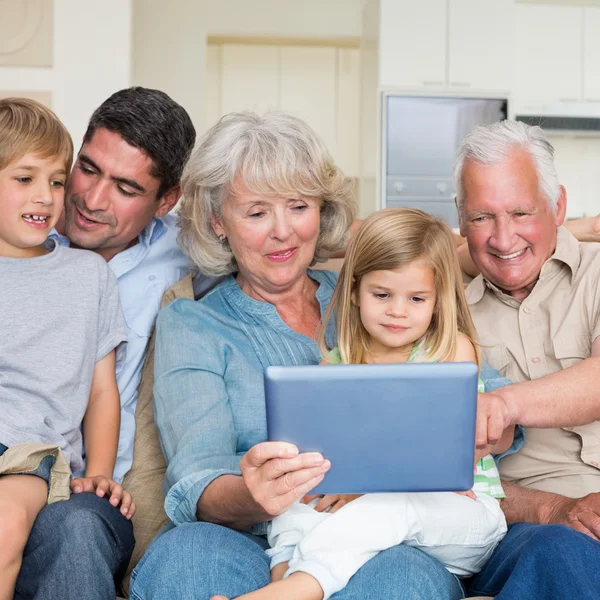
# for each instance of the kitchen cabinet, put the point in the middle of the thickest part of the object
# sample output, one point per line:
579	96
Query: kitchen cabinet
548	55
440	45
412	51
212	79
308	88
480	45
320	84
591	54
347	118
557	66
249	77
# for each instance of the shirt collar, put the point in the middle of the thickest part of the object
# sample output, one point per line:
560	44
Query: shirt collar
60	239
152	232
566	252
149	235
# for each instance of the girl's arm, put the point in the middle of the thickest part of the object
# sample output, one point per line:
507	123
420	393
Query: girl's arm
465	352
102	419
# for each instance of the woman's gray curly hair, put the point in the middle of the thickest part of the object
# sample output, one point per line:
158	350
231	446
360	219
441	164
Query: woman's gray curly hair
277	155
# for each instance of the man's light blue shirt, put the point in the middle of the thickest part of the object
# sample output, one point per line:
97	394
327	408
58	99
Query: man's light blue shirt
144	272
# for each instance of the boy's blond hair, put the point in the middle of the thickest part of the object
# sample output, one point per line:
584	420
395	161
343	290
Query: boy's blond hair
26	126
391	239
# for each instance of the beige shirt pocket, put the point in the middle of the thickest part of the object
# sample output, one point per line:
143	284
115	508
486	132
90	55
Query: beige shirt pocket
496	354
570	349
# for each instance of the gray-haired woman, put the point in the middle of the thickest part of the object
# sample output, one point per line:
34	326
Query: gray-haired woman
262	202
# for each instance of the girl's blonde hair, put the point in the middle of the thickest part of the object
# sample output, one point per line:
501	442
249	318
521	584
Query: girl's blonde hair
391	239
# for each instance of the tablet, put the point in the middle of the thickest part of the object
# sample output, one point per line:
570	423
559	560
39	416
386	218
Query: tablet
385	428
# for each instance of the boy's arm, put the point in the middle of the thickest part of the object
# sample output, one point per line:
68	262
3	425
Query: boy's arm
102	419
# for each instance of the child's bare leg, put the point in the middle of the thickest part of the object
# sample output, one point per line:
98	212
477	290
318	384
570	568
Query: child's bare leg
278	571
21	499
298	586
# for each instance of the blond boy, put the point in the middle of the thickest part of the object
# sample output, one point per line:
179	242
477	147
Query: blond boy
60	327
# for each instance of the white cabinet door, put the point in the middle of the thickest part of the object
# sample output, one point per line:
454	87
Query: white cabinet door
548	50
412	43
212	107
480	45
308	88
591	54
250	77
347	111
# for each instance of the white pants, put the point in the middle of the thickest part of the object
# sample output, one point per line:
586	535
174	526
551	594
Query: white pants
459	532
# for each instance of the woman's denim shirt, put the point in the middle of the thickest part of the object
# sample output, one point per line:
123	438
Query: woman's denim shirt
209	402
208	383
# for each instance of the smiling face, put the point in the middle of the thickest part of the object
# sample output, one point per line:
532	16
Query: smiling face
273	239
396	308
509	226
31	201
111	195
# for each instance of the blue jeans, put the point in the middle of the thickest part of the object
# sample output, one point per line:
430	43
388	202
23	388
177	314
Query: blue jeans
541	561
198	560
77	549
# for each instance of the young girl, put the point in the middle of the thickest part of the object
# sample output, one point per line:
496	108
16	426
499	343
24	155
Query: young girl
399	298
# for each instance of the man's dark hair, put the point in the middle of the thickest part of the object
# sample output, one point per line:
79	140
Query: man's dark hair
153	122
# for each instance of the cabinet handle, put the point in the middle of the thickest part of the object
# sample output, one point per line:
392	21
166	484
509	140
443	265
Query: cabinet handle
433	83
593	100
568	100
460	84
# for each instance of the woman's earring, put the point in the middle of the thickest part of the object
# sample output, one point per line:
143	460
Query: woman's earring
221	238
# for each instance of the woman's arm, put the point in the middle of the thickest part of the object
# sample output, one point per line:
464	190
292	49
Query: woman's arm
586	229
102	420
208	476
464	258
273	477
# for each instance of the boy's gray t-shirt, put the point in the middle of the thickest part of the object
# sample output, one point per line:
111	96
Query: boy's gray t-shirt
59	315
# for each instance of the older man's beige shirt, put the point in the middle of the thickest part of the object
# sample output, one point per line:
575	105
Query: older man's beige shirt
553	328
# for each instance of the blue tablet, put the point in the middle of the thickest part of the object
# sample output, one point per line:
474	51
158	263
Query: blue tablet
385	428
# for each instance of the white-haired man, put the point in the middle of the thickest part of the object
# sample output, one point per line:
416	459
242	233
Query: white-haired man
536	307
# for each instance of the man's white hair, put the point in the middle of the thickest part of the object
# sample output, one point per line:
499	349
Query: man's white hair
493	144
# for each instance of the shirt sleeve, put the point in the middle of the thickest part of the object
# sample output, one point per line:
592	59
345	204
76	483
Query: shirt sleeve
112	331
335	358
192	410
595	306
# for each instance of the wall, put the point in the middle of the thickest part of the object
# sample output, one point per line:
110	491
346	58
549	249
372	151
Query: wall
169	40
91	60
370	111
578	166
